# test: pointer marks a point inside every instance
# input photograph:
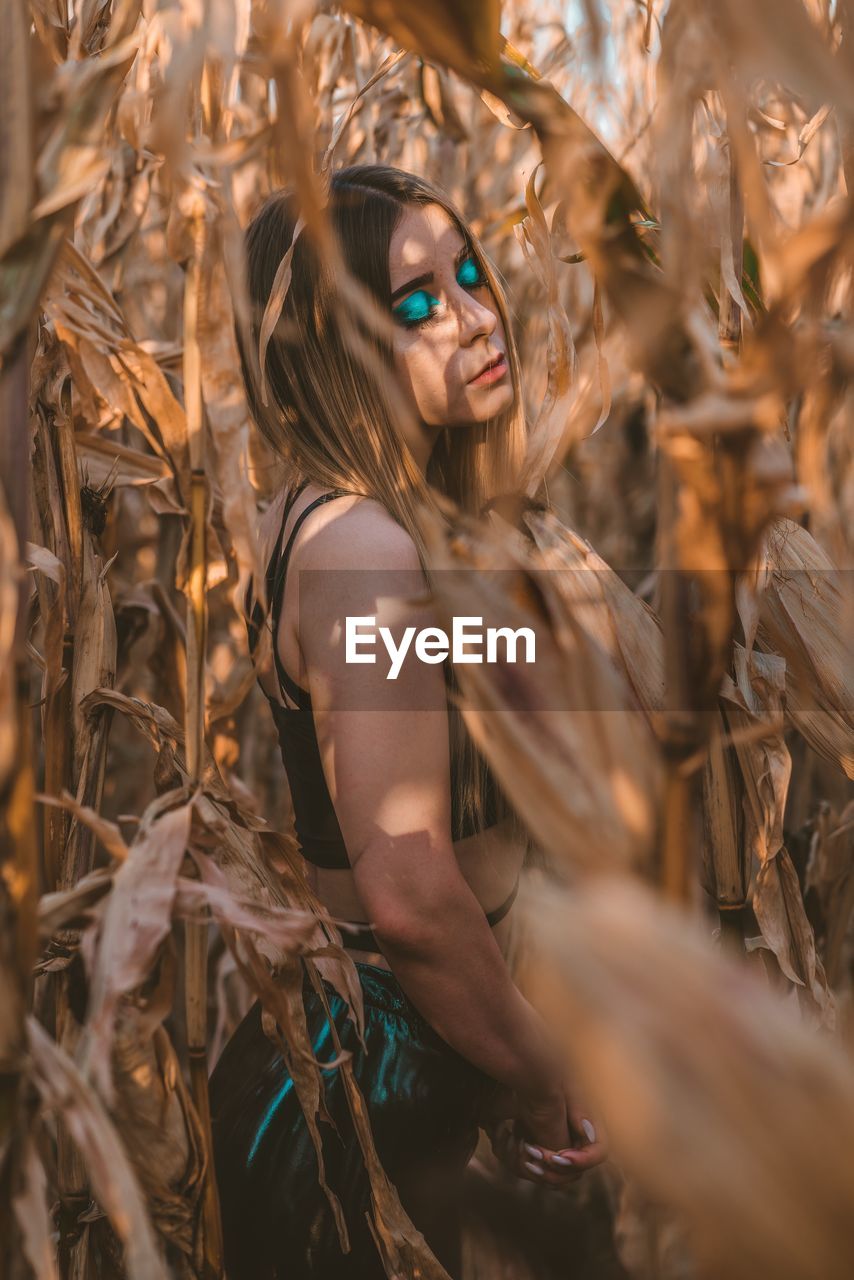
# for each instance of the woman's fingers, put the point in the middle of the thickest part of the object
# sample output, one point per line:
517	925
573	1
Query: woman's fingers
521	1158
591	1134
540	1164
567	1164
554	1168
545	1174
588	1157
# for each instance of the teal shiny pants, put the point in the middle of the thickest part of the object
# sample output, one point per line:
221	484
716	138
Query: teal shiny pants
423	1101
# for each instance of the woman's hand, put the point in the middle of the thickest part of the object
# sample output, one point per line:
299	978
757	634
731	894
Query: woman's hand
553	1165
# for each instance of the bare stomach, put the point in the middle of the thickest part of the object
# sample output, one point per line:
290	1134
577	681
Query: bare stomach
490	863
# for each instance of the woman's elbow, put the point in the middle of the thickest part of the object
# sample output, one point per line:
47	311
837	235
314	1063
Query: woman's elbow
409	922
404	927
411	912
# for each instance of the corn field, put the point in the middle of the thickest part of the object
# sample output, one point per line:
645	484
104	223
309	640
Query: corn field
665	189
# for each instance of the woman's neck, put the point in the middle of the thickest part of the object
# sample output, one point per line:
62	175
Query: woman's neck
422	447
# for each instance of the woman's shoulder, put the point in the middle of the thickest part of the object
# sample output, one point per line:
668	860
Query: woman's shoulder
354	532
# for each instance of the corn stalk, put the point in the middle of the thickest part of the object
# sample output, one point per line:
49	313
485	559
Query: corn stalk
196	934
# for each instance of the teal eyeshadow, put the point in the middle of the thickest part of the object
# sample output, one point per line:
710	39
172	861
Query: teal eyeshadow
414	308
469	272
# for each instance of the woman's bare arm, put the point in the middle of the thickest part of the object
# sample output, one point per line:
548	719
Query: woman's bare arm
384	746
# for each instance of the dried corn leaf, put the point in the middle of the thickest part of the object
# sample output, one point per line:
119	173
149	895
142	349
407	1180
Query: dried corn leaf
805	615
401	1245
72	907
437	95
547	433
766	766
115	210
226	409
285	1024
780	41
393	60
289	931
83	308
566	737
628	630
717	1101
69	162
159	1123
107	832
31	1210
830	873
100	458
281	998
54	617
757	693
65	1090
136	919
273	309
462	37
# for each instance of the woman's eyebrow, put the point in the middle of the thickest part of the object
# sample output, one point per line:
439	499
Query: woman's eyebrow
428	276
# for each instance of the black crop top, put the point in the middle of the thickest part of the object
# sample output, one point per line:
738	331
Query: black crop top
318	833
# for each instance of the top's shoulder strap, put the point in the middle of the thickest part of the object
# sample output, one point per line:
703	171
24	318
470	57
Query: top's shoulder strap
494	917
278	588
254	612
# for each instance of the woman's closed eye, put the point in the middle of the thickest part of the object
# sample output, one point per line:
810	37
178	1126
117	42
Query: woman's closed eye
421	307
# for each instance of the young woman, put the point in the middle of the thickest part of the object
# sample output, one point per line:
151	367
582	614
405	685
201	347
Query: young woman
400	822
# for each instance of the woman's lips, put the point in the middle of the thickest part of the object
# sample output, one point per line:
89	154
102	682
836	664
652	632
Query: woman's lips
492	374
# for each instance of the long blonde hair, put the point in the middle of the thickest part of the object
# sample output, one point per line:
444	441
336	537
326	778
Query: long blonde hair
328	417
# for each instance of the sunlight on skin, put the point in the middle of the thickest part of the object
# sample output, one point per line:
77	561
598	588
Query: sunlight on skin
448	328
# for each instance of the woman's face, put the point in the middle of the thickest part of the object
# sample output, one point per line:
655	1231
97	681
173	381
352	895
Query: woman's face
447	325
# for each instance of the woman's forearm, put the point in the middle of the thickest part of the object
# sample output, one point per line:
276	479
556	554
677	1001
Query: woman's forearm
447	961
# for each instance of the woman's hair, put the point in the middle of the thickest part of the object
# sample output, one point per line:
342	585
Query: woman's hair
328	417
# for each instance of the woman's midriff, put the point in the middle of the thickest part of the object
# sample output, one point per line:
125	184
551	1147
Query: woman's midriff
490	863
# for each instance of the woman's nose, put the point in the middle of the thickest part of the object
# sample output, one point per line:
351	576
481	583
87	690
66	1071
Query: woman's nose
476	319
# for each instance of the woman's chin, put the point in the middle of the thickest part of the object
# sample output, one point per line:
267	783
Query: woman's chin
490	402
